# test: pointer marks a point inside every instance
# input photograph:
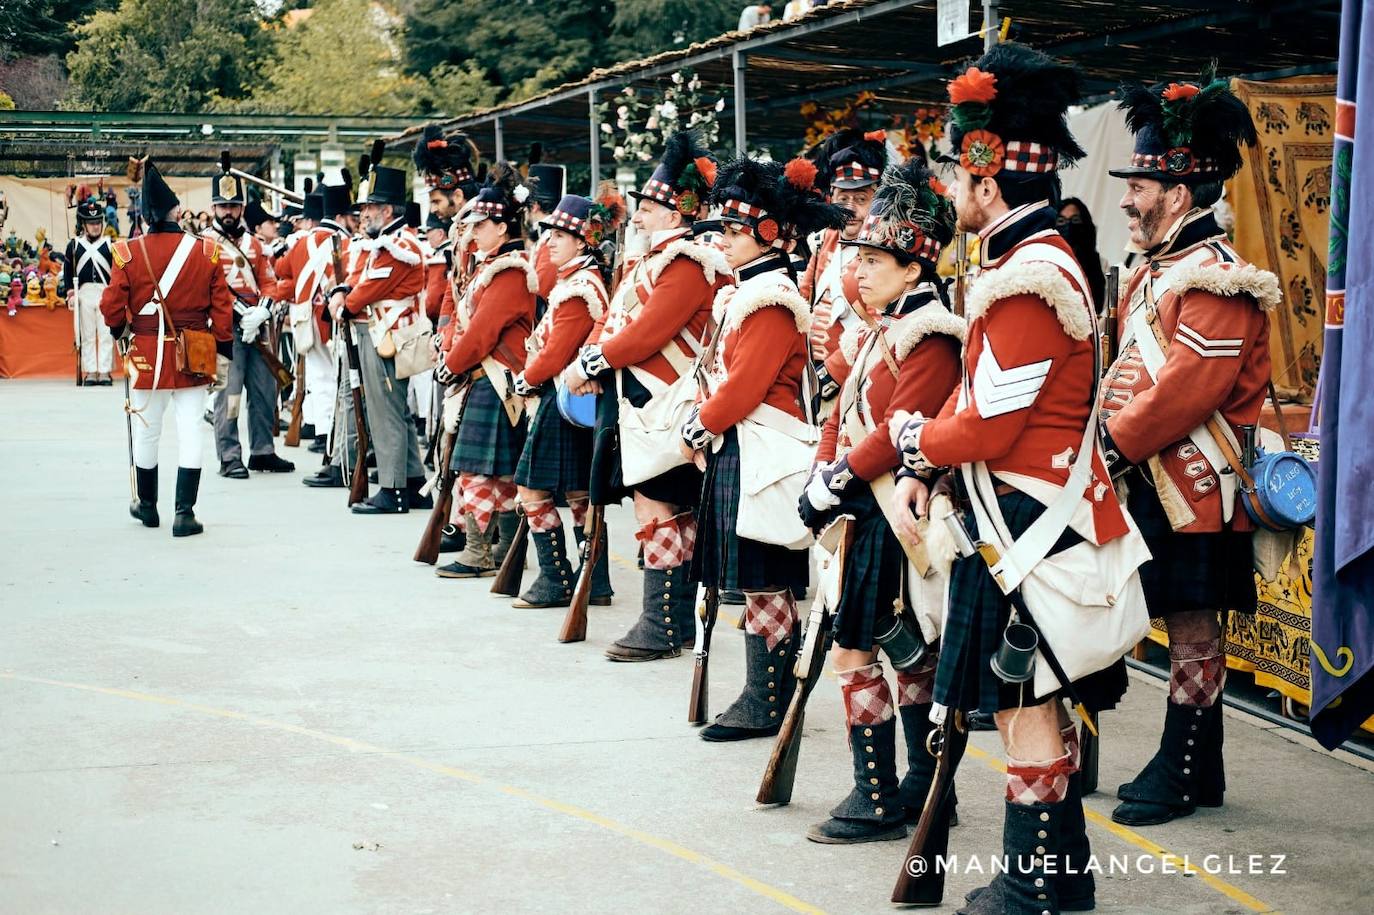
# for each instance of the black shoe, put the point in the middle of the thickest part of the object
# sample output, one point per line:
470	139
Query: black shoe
729	596
144	508
372	477
308	431
234	470
416	500
270	463
328	477
188	486
103	382
318	445
453	539
384	502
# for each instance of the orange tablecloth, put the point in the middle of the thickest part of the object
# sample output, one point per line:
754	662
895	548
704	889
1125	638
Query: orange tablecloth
37	343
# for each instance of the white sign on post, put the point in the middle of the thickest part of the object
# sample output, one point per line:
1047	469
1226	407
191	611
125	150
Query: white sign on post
951	21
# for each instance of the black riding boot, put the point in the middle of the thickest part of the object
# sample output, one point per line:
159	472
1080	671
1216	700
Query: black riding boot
768	683
188	485
144	508
554	586
1185	773
872	812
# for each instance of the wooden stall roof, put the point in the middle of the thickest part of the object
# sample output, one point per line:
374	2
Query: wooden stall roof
888	47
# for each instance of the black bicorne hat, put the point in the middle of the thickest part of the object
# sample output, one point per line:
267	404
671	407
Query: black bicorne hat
1185	132
911	217
157	199
777	203
684	175
1010	113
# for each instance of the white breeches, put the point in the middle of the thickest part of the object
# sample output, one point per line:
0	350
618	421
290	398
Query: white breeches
321	388
187	405
93	337
422	393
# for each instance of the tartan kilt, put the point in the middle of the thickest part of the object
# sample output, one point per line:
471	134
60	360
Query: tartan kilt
1206	571
978	613
872	575
727	560
558	455
487	443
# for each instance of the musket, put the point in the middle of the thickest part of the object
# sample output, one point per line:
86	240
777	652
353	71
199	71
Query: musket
357	488
575	621
1107	339
293	431
781	771
428	549
128	415
708	608
512	569
263	183
76	297
922	880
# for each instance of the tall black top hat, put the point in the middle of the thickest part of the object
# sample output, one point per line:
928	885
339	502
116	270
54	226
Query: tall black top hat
157	199
550	183
337	199
1010	113
777	203
314	206
388	185
1186	133
445	162
911	217
684	175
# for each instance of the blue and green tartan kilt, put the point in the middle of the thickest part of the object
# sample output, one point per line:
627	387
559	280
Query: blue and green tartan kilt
978	614
487	443
727	560
1214	570
558	455
872	574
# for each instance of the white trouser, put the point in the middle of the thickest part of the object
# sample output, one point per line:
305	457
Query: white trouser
321	389
421	392
187	404
93	337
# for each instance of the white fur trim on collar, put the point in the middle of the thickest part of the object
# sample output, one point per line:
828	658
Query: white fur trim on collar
1229	280
408	253
930	318
711	261
760	292
1038	278
580	286
849	340
511	260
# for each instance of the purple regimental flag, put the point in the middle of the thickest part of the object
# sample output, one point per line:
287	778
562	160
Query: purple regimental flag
1342	658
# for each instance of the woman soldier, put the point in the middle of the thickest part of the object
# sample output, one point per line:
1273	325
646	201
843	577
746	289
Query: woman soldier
557	456
907	359
493	319
754	371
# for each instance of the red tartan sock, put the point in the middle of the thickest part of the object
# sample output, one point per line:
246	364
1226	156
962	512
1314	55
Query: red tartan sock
1197	673
867	697
507	494
1038	782
542	516
771	614
1069	734
917	686
479	498
664	544
578	507
687	524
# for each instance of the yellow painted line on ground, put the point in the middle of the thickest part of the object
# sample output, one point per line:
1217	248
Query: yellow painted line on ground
1130	836
668	846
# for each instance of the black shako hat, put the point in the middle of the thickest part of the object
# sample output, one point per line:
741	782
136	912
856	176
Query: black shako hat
156	201
1186	132
387	185
851	158
338	199
549	183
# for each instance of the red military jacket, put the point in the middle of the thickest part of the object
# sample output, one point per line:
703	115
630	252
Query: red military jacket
462	267
305	273
1030	369
830	307
925	339
436	278
198	299
1212	309
576	302
391	275
496	312
664	299
544	268
247	266
761	351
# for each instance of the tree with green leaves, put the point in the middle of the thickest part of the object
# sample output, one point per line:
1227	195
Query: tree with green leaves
33	28
645	27
166	55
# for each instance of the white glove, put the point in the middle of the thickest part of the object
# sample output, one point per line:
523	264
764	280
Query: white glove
252	321
818	491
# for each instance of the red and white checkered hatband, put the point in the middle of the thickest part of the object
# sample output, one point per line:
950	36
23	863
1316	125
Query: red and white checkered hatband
567	222
900	236
660	191
1024	156
489	209
856	171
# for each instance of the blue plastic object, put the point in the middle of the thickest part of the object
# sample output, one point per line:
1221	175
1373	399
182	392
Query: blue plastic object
578	409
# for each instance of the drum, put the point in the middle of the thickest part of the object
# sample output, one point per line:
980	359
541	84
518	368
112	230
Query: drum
1285	489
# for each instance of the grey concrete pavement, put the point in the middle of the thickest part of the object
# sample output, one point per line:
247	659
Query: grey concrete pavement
287	715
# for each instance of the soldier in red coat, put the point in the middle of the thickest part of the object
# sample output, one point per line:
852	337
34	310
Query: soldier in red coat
908	361
1192	374
1021	431
641	357
190	295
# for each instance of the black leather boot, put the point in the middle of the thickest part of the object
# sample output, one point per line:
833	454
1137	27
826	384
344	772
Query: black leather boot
453	539
872	811
1030	832
414	497
1185	773
768	685
188	487
144	508
385	501
554	585
602	592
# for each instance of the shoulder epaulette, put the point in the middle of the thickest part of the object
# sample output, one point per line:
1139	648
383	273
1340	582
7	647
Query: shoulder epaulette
122	254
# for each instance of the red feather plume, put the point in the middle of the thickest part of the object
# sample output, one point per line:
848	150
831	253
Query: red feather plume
707	169
800	173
